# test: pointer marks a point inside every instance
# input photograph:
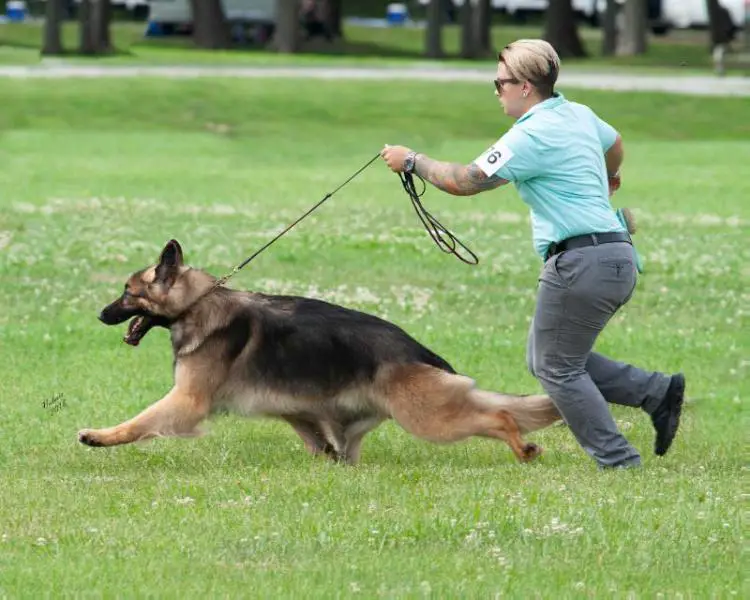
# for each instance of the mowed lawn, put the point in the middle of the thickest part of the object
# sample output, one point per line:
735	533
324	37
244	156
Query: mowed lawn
97	175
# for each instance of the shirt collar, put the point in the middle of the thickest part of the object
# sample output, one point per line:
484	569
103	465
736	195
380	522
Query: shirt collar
556	100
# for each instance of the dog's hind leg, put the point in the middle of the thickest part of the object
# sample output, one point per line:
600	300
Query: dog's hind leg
354	432
312	435
442	407
333	431
177	414
502	426
339	442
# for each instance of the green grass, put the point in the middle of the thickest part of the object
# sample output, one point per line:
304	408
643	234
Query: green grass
96	176
679	52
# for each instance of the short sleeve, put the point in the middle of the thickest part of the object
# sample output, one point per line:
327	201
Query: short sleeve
513	157
607	133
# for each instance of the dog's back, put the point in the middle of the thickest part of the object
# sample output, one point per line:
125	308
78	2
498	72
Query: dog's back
314	342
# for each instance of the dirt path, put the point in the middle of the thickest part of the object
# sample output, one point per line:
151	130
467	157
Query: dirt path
695	85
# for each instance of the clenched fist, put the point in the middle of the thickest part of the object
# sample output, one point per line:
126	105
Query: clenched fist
394	157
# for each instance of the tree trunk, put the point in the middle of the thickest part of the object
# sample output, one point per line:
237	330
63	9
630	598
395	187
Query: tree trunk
286	38
52	45
609	29
334	17
101	17
721	32
468	38
210	27
561	29
720	26
86	42
632	40
434	29
483	28
449	12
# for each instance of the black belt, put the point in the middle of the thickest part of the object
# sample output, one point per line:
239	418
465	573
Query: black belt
589	239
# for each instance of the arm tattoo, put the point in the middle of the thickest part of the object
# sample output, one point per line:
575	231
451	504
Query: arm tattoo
454	178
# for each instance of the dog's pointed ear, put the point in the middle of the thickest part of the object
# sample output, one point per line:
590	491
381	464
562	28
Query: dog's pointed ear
169	262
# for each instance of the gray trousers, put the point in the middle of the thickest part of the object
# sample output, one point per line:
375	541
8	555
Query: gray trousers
579	291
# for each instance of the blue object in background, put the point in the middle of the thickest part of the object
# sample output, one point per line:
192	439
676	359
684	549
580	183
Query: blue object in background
154	30
15	10
396	13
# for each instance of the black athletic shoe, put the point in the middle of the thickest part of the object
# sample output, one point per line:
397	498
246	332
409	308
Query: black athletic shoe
666	418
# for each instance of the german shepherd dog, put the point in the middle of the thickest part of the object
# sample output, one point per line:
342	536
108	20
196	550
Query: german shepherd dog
332	373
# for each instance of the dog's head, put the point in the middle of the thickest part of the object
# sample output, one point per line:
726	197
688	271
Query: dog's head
145	298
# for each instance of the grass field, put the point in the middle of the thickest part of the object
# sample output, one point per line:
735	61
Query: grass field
682	51
96	176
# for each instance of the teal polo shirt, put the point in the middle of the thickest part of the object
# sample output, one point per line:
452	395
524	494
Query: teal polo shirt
554	155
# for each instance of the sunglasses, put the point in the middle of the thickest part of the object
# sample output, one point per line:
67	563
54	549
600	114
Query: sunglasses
499	83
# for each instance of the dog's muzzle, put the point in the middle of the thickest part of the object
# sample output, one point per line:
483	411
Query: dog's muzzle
116	313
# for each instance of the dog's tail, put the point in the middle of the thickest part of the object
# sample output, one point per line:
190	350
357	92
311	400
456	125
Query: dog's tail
530	412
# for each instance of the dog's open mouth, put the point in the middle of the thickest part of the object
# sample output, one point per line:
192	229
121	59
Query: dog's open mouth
138	327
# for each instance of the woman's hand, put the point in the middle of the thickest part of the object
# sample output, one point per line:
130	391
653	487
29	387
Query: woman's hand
394	157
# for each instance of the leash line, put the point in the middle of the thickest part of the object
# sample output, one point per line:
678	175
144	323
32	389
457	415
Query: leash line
226	277
434	228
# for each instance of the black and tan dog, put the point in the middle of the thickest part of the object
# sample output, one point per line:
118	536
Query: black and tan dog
332	373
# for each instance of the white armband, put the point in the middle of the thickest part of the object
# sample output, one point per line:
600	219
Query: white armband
495	157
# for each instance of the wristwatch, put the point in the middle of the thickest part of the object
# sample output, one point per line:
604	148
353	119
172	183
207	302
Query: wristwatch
410	161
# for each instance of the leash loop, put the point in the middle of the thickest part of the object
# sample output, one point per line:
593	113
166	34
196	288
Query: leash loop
434	227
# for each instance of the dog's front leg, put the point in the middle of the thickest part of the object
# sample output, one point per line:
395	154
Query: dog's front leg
177	414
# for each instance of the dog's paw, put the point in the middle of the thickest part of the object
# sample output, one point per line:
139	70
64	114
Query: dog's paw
89	437
531	451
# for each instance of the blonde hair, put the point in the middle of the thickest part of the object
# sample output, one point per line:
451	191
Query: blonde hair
532	60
